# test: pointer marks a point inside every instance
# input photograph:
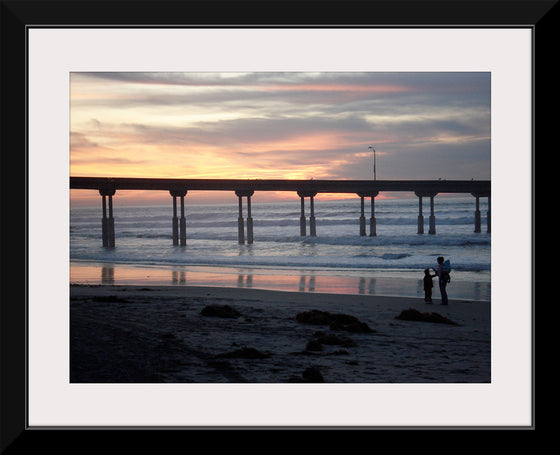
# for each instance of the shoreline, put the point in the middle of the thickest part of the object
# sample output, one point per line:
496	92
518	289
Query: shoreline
464	286
293	297
143	334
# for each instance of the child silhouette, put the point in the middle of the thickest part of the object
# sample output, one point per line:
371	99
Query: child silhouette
428	285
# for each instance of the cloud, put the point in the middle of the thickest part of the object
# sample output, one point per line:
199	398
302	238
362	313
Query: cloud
80	140
282	124
169	89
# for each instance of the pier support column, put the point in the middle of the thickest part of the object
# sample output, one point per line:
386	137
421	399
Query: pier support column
175	223
249	221
432	219
183	224
312	227
372	222
420	216
107	223
302	220
111	224
477	216
104	230
302	229
240	222
175	220
432	216
362	217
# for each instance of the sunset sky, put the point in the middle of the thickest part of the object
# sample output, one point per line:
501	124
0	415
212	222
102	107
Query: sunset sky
277	125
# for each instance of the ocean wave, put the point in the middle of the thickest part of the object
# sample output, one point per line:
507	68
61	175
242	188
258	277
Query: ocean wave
208	221
386	261
211	235
394	256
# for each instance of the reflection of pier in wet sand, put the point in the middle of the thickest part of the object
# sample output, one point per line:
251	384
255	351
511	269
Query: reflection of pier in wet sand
107	275
178	188
296	281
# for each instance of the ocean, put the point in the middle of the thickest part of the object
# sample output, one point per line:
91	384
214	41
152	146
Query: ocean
336	260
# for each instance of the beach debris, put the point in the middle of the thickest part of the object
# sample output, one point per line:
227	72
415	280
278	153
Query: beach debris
336	321
243	353
314	345
414	315
354	326
312	374
309	375
220	311
314	317
333	340
339	352
321	338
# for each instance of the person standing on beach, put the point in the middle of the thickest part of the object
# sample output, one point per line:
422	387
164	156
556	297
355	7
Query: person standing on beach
443	280
428	285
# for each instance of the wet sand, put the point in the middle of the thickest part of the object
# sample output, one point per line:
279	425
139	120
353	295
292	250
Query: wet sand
409	283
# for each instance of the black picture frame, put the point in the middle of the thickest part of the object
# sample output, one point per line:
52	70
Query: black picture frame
19	16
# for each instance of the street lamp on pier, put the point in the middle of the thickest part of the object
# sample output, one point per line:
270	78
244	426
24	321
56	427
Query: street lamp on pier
374	176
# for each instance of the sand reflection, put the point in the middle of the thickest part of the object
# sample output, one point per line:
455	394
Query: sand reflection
294	281
107	275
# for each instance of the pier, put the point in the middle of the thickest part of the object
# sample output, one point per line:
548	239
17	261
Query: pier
364	189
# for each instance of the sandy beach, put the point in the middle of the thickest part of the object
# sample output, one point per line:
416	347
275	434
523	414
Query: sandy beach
200	334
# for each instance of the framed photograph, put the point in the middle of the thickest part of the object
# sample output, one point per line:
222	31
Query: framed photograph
177	160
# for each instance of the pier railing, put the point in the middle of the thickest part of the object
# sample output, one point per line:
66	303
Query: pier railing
178	188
